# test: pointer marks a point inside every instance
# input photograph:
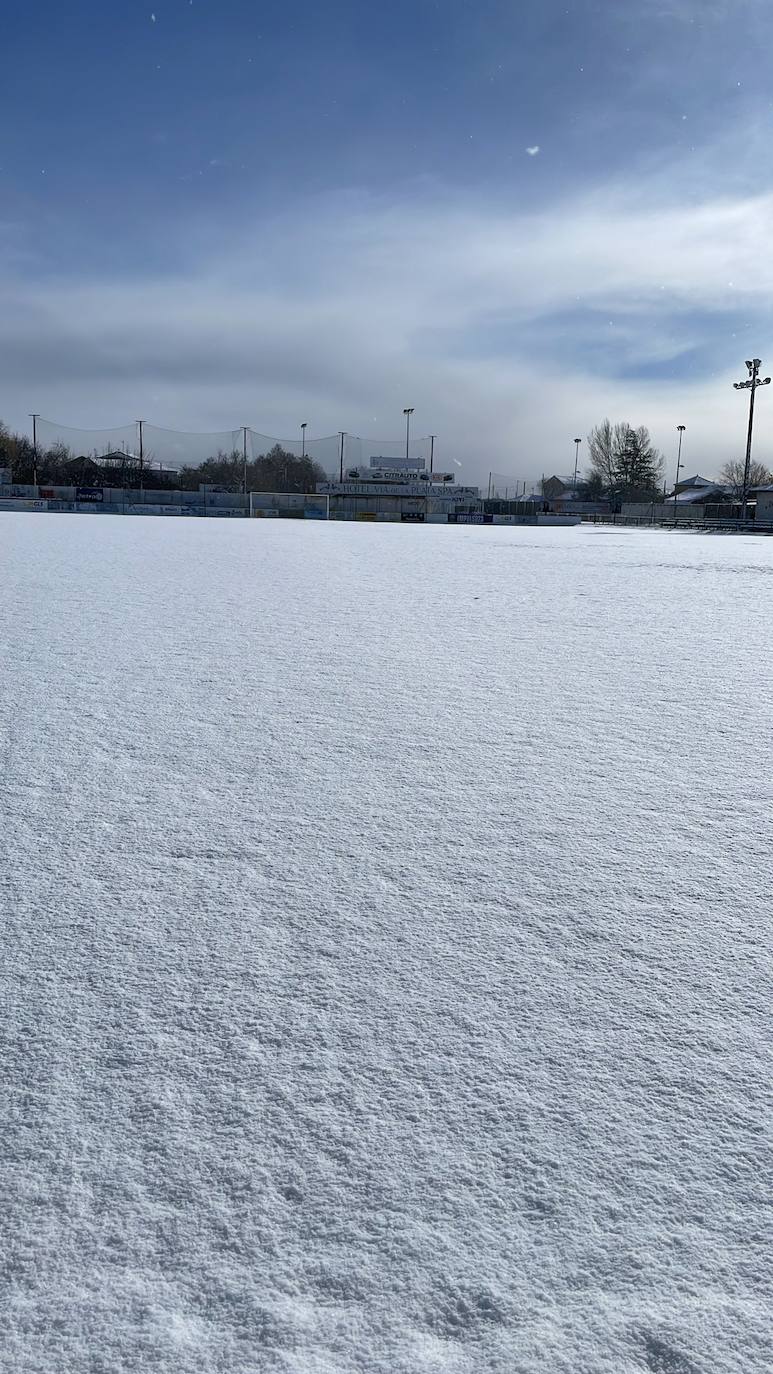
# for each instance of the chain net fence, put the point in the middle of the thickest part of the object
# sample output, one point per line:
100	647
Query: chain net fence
162	449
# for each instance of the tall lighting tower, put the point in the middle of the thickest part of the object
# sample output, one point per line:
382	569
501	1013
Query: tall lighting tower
752	382
407	412
577	443
681	429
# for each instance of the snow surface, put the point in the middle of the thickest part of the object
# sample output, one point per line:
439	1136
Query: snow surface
386	948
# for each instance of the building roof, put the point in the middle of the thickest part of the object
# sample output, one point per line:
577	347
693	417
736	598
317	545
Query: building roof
696	481
565	481
695	495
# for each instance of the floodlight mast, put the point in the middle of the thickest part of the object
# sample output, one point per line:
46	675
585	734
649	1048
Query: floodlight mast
408	412
577	443
681	429
754	380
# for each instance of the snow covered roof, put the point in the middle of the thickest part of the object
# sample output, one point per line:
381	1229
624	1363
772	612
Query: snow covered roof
695	495
696	481
567	482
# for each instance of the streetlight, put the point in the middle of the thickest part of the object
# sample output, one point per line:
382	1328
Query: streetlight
342	434
681	429
139	424
432	439
577	443
751	384
303	439
34	419
408	412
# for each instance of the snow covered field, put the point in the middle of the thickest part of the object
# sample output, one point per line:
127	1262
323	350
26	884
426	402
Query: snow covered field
386	927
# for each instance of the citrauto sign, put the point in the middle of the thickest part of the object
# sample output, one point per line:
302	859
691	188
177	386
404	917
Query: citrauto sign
89	494
424	489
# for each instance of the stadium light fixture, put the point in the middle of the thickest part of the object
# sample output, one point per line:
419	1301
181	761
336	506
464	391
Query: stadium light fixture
34	418
408	412
754	380
140	424
681	429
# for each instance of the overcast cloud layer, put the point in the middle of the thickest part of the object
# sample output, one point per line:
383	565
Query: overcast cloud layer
512	313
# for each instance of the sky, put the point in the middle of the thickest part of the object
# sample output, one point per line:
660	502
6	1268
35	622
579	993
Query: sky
517	220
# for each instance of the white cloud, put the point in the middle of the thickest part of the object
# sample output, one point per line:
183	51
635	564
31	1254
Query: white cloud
532	152
348	310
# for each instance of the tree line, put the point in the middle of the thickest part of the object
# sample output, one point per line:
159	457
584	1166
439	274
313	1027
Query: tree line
277	470
57	465
625	466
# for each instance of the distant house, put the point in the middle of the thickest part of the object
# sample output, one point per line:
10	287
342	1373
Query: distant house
560	488
85	472
564	495
130	461
114	469
697	491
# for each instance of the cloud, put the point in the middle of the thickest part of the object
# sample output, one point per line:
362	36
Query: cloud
508	331
532	152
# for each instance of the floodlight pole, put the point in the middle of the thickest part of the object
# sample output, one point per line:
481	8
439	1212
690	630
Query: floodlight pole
750	385
681	429
432	439
408	412
244	458
140	423
341	466
303	439
34	419
577	443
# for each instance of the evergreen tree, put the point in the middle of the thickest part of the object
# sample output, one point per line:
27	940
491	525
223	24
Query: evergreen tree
624	465
639	467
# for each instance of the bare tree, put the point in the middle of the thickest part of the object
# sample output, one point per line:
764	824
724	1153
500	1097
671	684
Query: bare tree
606	443
732	475
623	462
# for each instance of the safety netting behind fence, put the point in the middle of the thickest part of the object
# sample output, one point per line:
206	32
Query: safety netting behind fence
502	486
175	449
88	443
325	451
162	448
361	451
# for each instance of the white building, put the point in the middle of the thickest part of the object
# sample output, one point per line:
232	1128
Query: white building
388	493
764	499
396	464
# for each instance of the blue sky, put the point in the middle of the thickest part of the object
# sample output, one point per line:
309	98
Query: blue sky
225	213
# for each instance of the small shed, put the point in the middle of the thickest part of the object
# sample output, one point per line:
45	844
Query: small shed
763	496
